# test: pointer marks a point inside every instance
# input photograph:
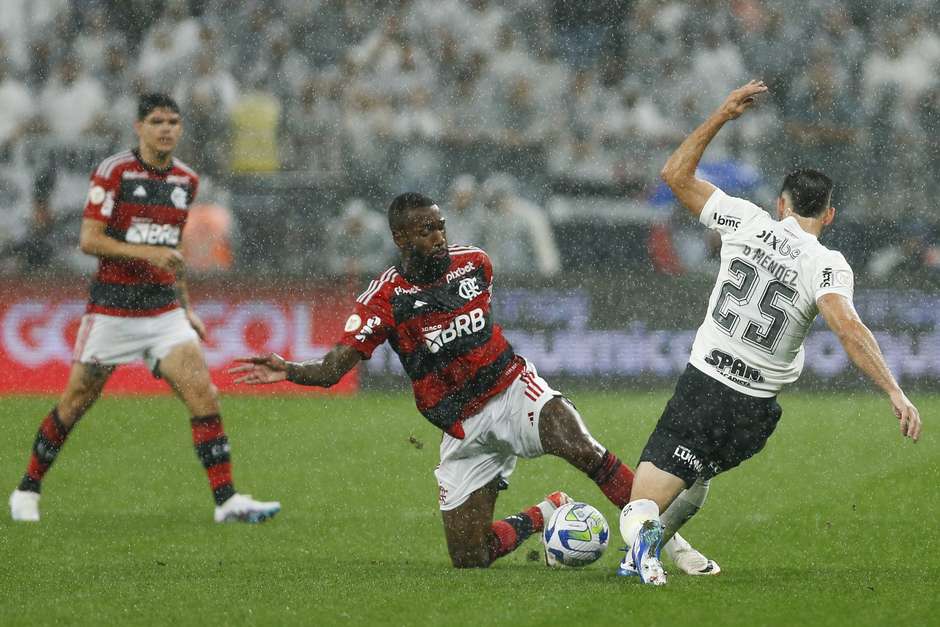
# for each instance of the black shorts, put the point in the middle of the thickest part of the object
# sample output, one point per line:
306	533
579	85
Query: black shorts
708	428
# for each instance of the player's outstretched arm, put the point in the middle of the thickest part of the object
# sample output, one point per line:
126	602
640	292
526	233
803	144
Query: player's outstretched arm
272	368
862	348
679	171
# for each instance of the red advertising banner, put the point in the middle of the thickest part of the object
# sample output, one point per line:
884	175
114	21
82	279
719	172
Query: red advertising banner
38	324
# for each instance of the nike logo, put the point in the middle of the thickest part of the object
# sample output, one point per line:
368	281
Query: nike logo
419	303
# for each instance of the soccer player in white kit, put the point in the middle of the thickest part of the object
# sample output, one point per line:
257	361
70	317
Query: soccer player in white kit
775	277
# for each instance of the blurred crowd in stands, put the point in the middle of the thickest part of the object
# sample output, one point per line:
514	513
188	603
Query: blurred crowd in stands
541	124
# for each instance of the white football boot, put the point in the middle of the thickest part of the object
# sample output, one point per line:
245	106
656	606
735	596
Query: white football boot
24	506
243	508
688	560
644	555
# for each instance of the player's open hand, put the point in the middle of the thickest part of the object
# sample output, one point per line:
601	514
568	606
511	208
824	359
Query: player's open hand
742	98
907	414
269	368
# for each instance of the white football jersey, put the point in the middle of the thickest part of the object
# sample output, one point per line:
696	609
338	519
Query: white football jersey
764	301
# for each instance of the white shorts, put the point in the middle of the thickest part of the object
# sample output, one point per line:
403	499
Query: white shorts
505	429
114	340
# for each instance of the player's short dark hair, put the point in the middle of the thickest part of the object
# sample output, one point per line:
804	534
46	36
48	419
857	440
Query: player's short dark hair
809	190
402	204
149	102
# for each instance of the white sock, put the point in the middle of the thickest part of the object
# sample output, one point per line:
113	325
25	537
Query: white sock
547	508
633	516
684	507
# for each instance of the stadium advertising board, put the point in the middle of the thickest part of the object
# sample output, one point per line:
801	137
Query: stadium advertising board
576	334
38	327
583	334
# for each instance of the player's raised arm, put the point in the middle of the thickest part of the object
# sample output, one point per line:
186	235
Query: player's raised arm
272	368
862	348
679	171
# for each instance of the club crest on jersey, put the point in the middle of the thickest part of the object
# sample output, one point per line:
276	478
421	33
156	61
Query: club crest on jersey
468	288
435	337
733	367
178	197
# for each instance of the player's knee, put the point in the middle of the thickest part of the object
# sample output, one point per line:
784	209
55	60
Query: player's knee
556	420
564	434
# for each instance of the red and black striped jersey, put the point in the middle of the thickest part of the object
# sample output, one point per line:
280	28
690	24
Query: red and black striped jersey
455	355
140	205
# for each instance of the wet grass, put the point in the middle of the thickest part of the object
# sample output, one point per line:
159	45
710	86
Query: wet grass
835	523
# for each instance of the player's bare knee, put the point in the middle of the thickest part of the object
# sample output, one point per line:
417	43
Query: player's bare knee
555	420
564	434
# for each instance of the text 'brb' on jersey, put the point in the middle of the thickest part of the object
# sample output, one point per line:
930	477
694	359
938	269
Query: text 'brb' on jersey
764	300
140	205
455	355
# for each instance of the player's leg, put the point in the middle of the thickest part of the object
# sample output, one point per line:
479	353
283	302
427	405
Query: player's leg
563	433
184	368
475	540
684	506
654	490
82	390
684	447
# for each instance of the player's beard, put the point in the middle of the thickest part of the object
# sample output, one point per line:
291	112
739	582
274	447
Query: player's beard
428	268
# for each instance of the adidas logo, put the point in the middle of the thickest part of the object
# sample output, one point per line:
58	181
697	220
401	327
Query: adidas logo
140	192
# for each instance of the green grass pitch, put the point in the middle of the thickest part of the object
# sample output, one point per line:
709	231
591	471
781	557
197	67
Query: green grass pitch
834	523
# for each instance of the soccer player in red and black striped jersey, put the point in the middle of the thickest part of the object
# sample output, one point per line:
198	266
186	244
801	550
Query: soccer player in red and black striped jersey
434	310
139	308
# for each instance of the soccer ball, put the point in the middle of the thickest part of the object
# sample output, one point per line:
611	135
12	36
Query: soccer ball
576	535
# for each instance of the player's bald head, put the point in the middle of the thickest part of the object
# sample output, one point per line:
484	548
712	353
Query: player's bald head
401	207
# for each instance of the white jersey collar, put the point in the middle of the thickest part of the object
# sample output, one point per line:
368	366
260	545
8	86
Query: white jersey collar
792	222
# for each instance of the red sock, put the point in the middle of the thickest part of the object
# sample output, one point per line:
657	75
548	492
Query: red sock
212	448
614	478
49	440
506	535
